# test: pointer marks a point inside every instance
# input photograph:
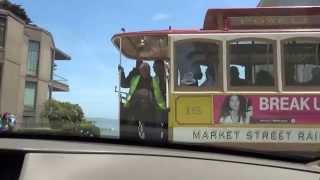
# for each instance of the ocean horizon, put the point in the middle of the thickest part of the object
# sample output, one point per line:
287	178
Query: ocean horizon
108	127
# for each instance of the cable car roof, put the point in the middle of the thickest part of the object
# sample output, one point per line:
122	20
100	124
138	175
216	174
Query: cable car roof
147	45
153	45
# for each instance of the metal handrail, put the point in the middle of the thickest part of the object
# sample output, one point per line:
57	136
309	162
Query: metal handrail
59	78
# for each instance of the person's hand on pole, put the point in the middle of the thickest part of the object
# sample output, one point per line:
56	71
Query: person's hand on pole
120	68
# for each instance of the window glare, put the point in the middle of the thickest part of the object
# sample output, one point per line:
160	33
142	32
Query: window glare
33	57
197	63
30	96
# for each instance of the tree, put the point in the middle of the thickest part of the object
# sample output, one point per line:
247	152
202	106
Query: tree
16	9
62	113
69	118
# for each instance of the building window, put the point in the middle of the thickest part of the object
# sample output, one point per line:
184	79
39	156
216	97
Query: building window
251	63
30	92
52	63
2	31
301	62
33	58
198	64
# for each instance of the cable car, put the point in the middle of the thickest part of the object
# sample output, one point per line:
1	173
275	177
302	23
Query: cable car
247	76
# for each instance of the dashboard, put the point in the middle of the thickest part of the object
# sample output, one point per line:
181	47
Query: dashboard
32	159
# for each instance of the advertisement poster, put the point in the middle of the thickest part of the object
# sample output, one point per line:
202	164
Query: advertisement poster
238	109
243	119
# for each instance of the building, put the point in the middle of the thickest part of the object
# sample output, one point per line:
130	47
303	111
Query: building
270	3
27	55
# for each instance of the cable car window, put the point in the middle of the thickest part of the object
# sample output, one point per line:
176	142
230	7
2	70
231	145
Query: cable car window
197	64
251	63
301	62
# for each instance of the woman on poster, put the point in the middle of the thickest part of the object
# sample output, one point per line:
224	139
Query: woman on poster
235	110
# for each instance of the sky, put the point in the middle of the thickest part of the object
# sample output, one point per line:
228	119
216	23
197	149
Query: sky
83	29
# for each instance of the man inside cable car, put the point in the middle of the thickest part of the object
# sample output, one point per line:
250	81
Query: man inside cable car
264	78
315	79
191	70
210	77
235	79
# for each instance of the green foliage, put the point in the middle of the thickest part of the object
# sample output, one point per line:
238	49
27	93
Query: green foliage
69	118
15	9
89	129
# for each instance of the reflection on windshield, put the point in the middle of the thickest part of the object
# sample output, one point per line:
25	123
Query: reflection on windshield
243	80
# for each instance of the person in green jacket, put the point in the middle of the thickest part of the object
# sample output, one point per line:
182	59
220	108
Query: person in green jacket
149	86
144	100
161	113
125	81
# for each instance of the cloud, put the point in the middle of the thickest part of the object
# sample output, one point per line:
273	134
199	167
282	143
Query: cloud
160	17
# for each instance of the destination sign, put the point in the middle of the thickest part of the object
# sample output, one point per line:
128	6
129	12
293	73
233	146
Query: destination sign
246	135
273	21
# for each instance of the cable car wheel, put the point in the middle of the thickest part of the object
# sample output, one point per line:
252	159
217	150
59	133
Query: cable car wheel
143	108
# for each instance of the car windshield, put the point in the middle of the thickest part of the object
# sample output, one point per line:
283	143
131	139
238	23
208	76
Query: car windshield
241	75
